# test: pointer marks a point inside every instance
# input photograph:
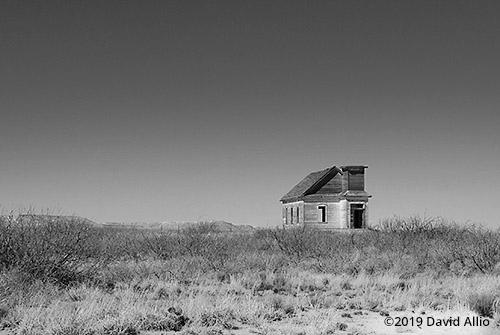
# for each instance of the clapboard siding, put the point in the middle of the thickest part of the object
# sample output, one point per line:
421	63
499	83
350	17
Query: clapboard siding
356	180
333	186
293	213
345	181
322	198
312	214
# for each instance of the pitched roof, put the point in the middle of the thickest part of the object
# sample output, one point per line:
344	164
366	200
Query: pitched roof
311	180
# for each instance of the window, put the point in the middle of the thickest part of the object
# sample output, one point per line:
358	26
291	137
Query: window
298	217
322	213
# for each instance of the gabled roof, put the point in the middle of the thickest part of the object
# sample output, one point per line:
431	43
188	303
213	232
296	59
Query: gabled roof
311	181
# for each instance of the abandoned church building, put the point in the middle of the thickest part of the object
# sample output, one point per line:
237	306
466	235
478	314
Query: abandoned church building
330	198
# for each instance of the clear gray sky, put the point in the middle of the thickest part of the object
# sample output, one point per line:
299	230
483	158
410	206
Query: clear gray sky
187	110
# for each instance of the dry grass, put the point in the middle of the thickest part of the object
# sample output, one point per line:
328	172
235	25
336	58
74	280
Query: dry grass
151	303
200	282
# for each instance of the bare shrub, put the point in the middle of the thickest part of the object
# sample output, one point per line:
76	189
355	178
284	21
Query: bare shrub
46	247
173	320
483	304
218	318
67	249
118	329
439	245
280	304
298	243
496	269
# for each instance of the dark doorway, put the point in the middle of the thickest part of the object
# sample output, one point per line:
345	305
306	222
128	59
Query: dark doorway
358	219
357	216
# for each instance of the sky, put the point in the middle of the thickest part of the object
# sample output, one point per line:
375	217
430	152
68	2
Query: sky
212	110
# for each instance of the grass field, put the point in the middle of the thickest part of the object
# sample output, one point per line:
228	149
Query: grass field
60	276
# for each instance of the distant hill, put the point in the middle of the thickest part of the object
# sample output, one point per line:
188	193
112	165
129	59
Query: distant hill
42	218
221	226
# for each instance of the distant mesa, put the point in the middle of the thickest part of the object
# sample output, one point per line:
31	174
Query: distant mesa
43	218
220	226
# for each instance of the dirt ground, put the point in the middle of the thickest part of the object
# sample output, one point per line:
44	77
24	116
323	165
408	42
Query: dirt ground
353	323
368	323
372	323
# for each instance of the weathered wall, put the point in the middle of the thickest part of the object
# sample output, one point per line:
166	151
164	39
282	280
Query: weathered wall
353	179
356	180
367	221
289	214
344	214
312	214
345	181
333	186
338	214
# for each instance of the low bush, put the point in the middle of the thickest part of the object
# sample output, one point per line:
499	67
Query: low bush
483	304
45	247
66	249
